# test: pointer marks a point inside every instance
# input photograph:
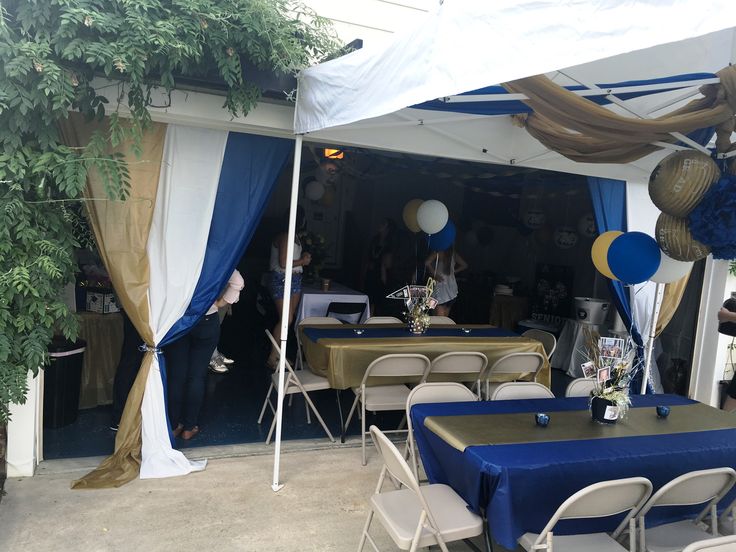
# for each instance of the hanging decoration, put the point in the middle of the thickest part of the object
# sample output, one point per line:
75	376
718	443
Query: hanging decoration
443	239
676	240
713	221
533	218
565	237
328	199
314	190
586	226
680	181
409	215
432	216
599	252
633	257
670	270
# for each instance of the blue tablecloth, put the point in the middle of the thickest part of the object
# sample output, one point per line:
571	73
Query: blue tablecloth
315	333
520	486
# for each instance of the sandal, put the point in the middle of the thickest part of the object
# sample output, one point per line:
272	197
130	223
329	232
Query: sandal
178	430
190	433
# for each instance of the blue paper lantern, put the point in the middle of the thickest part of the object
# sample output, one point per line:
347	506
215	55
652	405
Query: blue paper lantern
443	239
634	257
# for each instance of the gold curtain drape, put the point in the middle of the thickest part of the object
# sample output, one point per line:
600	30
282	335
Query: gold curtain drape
121	231
586	132
672	296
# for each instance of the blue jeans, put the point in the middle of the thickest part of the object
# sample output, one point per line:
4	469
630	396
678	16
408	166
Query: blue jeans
187	360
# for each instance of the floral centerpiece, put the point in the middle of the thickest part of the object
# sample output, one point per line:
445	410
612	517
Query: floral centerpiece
418	305
612	363
316	245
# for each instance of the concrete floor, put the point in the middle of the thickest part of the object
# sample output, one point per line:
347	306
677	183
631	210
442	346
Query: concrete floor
230	506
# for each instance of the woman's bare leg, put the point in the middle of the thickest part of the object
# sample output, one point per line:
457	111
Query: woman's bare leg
273	358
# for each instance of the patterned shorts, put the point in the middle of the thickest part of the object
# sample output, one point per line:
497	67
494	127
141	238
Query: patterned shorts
276	284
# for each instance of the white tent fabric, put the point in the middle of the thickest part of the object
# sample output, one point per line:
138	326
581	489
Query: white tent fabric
184	205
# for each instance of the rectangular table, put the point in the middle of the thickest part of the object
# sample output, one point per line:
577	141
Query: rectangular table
529	472
342	355
314	301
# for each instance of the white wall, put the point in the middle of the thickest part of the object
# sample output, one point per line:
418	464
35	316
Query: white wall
24	431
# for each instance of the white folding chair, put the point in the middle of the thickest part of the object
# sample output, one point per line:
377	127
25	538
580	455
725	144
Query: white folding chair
549	341
697	487
302	382
719	544
416	517
580	387
514	363
432	393
514	390
400	368
309	321
467	367
441	320
603	499
383	320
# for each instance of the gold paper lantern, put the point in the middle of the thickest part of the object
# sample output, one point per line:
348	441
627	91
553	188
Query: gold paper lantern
676	241
680	181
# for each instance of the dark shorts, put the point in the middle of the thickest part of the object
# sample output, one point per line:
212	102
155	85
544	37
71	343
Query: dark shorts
276	284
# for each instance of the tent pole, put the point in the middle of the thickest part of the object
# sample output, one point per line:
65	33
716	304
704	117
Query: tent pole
291	234
658	296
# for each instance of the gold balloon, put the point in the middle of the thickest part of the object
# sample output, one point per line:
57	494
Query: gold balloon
410	214
680	181
675	240
599	252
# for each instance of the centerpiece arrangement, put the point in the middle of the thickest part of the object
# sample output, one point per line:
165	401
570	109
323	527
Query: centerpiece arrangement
612	363
418	301
315	244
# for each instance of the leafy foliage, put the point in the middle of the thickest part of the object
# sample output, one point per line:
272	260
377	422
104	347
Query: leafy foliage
51	52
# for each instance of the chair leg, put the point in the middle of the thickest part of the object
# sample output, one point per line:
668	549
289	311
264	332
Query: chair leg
350	414
367	525
362	430
310	404
306	406
418	532
270	431
266	402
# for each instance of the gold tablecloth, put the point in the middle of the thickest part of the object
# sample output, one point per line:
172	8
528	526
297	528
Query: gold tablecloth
343	361
508	310
461	432
104	336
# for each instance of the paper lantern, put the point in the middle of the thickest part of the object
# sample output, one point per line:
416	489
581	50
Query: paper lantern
443	239
676	241
680	181
533	218
565	237
410	214
328	199
633	257
671	270
586	226
599	252
314	190
432	216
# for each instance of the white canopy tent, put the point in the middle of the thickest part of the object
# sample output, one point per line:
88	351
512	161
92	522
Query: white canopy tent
364	98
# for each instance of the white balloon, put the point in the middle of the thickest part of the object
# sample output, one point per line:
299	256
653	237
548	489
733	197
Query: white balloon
670	270
314	190
432	216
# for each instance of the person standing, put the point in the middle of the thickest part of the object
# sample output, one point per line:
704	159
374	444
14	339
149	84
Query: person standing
729	405
379	264
187	360
277	277
442	266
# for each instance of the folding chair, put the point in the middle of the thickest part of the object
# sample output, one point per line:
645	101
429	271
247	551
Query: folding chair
347	313
401	368
432	393
580	387
514	363
719	544
466	367
309	321
383	320
416	517
603	499
441	320
548	340
303	382
514	390
696	487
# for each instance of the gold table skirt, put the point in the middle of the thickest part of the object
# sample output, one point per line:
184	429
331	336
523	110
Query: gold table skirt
104	336
343	361
461	432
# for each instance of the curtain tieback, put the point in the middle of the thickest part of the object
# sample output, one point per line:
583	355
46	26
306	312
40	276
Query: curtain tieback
144	348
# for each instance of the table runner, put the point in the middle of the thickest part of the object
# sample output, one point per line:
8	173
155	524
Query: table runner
344	359
505	429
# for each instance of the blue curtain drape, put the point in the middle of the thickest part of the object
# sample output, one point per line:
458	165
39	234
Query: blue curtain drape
609	207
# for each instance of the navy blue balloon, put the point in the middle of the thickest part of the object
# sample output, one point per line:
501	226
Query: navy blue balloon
443	239
634	257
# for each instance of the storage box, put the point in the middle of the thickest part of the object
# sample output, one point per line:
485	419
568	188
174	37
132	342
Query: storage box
102	301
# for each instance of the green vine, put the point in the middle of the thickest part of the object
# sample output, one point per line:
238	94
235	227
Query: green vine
50	53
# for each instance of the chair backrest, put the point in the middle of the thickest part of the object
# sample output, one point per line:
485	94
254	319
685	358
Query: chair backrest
289	369
394	460
514	390
460	362
407	367
719	544
350	313
548	340
318	321
517	363
603	499
442	391
580	387
383	320
441	320
696	487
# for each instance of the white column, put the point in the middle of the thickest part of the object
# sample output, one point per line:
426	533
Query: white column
24	431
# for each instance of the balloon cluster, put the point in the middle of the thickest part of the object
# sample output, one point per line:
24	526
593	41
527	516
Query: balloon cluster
321	187
432	218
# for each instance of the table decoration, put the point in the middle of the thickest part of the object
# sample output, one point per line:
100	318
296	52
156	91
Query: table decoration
418	301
